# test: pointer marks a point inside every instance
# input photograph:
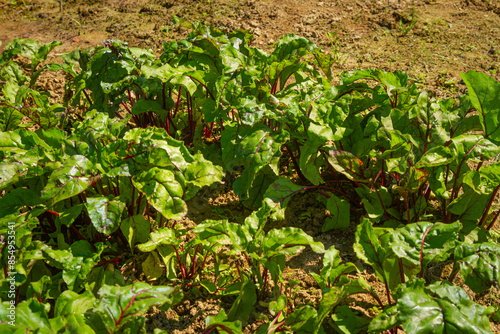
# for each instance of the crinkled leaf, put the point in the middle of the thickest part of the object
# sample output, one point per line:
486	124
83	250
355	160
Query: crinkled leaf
151	267
77	262
72	178
484	92
385	320
162	191
414	179
162	236
439	308
13	201
424	242
348	322
223	325
144	106
289	240
105	214
136	229
279	193
244	303
436	156
369	247
341	214
258	149
346	163
70	302
118	306
222	232
201	173
479	265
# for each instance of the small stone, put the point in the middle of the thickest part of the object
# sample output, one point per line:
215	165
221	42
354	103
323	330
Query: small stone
310	19
254	24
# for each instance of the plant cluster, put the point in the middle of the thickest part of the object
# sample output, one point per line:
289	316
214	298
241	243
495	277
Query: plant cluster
94	182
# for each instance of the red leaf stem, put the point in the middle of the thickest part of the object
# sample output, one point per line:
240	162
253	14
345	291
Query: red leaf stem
126	308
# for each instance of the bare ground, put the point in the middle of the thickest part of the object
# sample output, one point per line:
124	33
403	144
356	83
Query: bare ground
433	41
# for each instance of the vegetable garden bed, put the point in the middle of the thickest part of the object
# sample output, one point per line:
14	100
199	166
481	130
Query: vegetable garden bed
163	182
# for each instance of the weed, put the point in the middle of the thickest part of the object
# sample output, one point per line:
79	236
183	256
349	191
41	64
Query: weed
406	28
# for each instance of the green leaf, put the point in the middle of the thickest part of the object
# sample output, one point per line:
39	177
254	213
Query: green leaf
72	178
484	92
223	325
492	173
77	262
384	321
469	206
118	306
74	323
302	320
260	183
162	236
151	267
341	214
30	315
279	193
436	156
479	265
68	215
333	269
70	302
439	308
10	118
348	322
244	303
201	173
346	163
370	247
421	243
222	232
289	240
136	229
162	191
105	214
144	106
257	150
13	201
328	302
308	161
278	305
